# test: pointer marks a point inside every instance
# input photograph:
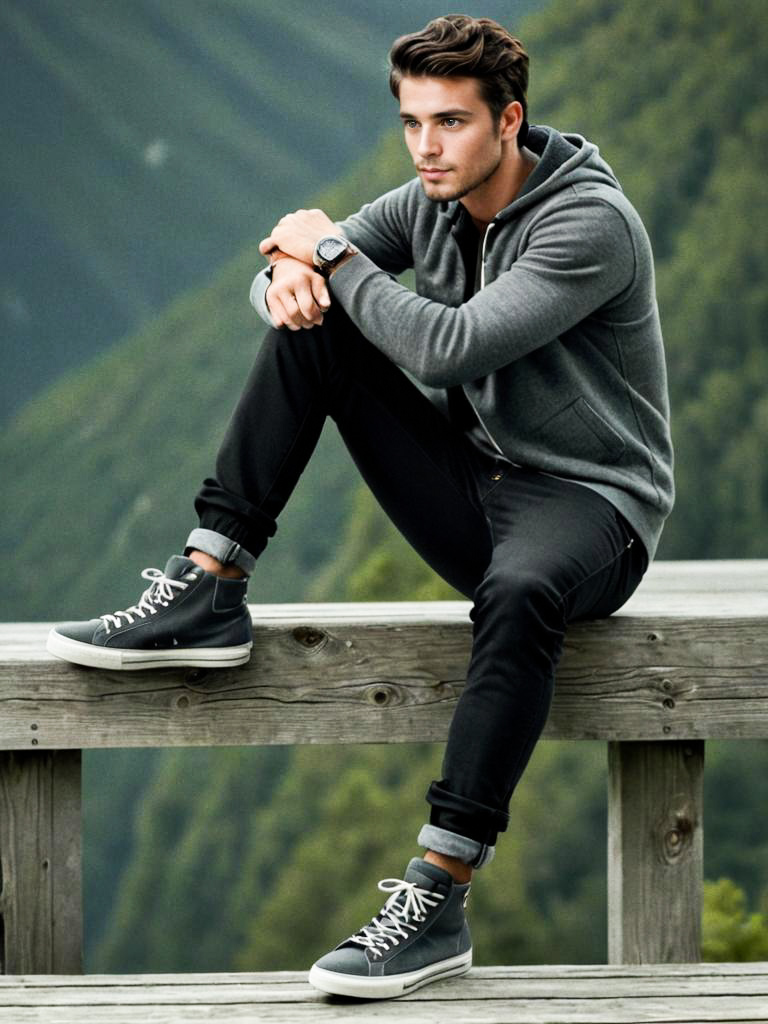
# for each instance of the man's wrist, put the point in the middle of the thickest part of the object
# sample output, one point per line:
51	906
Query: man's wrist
277	254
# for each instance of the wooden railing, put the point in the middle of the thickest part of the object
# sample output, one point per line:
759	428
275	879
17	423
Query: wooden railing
684	661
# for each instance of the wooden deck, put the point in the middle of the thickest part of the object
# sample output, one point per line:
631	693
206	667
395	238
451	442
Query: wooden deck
716	993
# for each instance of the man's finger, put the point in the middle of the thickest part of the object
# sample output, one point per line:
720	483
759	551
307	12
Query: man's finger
305	300
296	317
276	309
282	316
320	291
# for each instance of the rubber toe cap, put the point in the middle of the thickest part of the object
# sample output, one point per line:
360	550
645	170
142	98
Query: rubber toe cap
347	960
88	632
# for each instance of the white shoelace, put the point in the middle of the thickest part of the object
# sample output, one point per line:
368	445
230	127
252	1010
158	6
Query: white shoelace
159	592
389	926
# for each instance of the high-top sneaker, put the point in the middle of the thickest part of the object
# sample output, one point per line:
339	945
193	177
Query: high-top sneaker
186	616
419	935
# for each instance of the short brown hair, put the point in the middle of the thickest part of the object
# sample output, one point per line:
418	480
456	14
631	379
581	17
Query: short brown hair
458	46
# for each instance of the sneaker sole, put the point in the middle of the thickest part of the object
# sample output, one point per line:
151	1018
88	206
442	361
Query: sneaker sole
126	660
390	986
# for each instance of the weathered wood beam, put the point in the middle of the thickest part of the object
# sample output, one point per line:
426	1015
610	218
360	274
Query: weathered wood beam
686	658
390	673
40	856
655	852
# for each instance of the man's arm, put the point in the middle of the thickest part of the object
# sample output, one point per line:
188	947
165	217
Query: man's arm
580	255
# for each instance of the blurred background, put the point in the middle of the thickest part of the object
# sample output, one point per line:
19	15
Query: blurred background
147	147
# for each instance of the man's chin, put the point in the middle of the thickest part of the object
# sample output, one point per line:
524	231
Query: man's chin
441	193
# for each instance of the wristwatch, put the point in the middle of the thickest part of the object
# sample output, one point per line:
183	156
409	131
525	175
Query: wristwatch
329	251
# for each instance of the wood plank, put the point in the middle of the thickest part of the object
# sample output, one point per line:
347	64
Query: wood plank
678	975
525	995
40	853
690	589
605	1010
313	680
655	851
291	986
388	672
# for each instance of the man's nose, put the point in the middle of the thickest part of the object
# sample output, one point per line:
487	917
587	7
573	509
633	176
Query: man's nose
428	142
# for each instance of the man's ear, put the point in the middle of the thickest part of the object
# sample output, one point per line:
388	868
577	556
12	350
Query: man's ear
510	120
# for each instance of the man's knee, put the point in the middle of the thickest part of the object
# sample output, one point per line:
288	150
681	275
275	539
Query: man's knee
518	591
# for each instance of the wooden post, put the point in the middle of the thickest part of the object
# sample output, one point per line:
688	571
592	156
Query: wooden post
655	851
40	856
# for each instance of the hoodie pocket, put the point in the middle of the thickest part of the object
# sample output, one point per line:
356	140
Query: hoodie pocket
577	431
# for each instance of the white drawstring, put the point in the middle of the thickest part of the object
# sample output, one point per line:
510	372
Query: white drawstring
395	916
159	592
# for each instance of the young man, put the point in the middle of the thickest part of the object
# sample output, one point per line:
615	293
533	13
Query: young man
534	474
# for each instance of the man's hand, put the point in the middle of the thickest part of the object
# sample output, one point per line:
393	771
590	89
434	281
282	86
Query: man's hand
298	295
298	233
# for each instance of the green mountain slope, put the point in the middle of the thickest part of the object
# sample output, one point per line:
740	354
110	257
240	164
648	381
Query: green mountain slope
144	143
101	470
639	79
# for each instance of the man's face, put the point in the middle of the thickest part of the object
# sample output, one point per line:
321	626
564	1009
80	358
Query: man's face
450	134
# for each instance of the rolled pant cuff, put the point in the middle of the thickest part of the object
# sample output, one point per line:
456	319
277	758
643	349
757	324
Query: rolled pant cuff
227	551
451	844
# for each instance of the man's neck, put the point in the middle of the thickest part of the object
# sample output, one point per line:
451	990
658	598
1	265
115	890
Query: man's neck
504	185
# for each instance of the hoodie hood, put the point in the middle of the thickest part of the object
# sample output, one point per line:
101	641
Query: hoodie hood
563	160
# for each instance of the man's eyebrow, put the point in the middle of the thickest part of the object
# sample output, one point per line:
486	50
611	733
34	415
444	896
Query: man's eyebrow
438	116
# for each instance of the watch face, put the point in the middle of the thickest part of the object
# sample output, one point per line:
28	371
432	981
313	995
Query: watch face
330	249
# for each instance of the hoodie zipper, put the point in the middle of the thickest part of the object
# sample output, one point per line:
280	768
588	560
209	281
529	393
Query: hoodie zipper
482	254
482	285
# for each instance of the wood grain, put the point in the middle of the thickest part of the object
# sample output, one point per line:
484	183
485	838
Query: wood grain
41	901
655	852
332	676
515	995
686	658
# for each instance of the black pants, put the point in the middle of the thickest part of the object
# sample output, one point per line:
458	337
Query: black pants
533	552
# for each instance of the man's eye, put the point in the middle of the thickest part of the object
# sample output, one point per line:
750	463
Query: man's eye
451	122
410	124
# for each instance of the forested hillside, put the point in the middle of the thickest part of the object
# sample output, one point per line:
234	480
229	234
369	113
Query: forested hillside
145	143
100	471
266	857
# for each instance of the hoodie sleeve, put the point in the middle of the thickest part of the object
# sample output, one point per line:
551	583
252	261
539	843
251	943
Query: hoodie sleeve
579	256
382	229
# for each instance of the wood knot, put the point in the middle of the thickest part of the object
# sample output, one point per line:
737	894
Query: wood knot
669	703
310	637
195	675
182	702
653	637
678	837
382	695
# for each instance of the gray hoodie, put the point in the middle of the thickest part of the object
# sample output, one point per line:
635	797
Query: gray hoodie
559	351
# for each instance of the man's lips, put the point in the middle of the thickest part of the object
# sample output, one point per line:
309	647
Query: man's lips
433	172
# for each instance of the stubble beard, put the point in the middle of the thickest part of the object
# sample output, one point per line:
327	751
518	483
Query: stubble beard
462	189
